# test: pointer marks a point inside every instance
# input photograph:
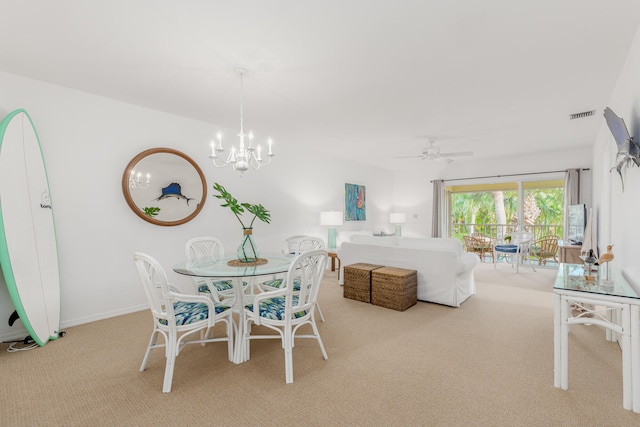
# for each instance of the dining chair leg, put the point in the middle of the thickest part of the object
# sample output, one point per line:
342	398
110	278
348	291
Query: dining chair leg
320	312
317	334
288	356
152	343
170	364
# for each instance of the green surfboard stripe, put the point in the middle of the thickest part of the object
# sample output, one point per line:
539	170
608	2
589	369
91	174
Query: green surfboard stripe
5	261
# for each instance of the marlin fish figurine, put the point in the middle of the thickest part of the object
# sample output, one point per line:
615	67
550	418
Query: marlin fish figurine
628	149
173	190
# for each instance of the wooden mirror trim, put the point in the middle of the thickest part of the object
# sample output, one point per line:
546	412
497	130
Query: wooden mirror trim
136	209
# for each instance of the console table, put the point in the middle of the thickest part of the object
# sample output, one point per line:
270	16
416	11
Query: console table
569	253
615	306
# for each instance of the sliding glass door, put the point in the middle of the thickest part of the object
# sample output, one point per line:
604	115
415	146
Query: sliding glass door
496	210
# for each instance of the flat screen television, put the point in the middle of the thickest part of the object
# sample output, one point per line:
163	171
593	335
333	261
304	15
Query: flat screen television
576	223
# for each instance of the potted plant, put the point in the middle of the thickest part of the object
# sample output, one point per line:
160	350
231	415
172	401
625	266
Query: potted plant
247	251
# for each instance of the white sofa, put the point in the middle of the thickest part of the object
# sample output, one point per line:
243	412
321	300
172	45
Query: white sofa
445	271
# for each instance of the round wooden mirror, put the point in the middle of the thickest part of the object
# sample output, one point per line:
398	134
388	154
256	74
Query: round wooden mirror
164	186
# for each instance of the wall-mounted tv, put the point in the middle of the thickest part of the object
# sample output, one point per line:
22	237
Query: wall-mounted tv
577	221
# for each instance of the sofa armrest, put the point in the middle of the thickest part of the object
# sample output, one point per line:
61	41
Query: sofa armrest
468	261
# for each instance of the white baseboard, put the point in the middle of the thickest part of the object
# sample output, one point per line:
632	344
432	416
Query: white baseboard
101	316
18	332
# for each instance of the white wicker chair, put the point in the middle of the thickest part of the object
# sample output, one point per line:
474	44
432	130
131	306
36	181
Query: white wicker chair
285	310
202	248
517	251
295	245
178	316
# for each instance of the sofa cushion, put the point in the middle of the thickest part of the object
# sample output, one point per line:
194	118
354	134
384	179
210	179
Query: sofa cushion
374	240
345	236
436	243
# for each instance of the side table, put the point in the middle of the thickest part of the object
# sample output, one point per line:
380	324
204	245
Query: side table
334	256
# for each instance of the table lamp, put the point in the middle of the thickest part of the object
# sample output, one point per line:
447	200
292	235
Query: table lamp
398	219
332	219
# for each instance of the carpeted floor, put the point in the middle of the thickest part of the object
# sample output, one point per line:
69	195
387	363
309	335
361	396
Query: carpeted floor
487	363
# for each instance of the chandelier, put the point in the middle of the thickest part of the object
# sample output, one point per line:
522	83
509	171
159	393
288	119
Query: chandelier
244	156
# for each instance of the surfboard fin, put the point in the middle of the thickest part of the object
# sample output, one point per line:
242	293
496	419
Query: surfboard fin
14	316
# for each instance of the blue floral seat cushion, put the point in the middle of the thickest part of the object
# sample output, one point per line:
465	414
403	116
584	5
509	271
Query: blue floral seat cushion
221	286
191	312
507	248
273	308
278	284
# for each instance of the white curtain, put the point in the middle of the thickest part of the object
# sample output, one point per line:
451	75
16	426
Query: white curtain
437	219
571	196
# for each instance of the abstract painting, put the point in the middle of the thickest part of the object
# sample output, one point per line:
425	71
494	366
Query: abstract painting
354	202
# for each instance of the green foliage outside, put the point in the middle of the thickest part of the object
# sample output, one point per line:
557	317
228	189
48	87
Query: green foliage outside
541	207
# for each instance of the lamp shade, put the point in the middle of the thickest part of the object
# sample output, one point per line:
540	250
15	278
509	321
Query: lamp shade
331	218
397	218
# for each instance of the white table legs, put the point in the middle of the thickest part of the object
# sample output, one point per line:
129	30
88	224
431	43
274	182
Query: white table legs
635	356
238	306
626	331
557	338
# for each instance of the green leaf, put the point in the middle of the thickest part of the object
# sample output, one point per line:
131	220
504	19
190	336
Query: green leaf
238	209
151	211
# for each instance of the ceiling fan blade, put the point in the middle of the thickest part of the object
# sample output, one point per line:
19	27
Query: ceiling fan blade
443	160
409	157
458	154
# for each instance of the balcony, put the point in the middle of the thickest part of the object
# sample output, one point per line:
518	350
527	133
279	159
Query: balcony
497	233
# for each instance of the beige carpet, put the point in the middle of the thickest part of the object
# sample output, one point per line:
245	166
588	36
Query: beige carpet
489	362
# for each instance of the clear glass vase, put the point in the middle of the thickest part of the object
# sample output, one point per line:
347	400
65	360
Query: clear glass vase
247	251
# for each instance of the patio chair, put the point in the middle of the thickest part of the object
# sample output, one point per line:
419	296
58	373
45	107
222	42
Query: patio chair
545	248
177	316
479	244
517	251
285	310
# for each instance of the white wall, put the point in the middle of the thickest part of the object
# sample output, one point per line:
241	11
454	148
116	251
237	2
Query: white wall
87	141
618	212
413	190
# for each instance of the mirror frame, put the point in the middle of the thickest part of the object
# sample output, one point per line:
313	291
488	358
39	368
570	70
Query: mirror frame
137	209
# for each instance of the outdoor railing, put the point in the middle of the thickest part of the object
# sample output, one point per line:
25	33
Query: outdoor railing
497	232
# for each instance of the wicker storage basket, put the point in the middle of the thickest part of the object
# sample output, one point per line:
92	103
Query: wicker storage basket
395	288
357	281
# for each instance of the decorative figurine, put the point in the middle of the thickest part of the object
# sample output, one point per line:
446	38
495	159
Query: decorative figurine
628	149
606	259
590	260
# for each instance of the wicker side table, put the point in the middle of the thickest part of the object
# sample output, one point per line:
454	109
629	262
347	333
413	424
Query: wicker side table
395	288
357	281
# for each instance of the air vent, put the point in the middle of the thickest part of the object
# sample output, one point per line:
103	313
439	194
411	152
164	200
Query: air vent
582	115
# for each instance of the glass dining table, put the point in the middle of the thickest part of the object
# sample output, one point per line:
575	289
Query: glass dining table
238	272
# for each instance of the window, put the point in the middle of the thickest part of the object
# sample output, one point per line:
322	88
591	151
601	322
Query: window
496	210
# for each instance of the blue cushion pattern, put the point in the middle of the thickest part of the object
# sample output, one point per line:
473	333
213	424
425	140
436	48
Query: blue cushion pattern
507	248
221	286
273	308
277	283
191	312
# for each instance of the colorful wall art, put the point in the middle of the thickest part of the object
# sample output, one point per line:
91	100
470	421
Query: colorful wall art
354	202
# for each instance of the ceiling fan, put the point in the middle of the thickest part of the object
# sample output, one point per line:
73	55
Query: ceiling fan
432	152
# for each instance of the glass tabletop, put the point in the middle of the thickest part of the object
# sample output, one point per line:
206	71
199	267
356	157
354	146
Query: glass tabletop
209	267
571	277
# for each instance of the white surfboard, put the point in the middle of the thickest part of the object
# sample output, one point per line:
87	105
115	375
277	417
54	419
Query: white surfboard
28	252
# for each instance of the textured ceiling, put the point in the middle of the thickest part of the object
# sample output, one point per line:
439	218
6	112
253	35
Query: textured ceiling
363	79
